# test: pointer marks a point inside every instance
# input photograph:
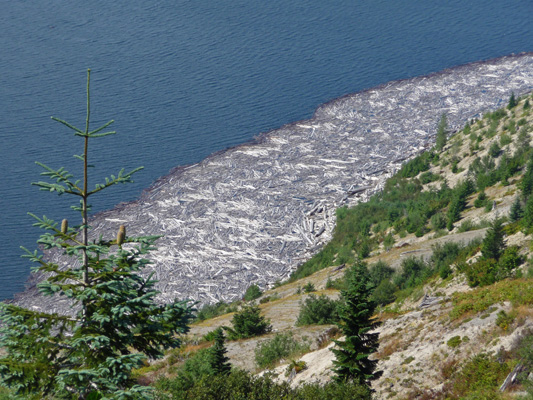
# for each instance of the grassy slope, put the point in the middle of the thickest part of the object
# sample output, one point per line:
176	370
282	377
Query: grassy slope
415	350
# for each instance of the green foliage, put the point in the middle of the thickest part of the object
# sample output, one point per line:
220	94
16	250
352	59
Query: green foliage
482	273
481	200
309	287
442	133
218	362
517	291
356	312
282	346
241	385
413	167
413	272
209	311
384	293
380	271
248	322
527	221
454	342
480	376
516	212
253	292
318	311
115	323
493	244
337	284
504	320
494	150
512	102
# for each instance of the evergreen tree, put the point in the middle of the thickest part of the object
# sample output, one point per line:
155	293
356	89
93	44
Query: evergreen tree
218	361
516	212
249	322
493	244
512	101
356	311
528	214
114	323
442	132
527	181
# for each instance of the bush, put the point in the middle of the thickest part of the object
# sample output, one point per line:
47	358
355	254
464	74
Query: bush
494	150
318	311
454	342
247	323
338	284
282	346
379	271
209	311
481	374
414	271
309	287
482	272
504	320
241	385
253	292
384	293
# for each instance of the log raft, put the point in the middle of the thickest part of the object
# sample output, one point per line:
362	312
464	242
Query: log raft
252	213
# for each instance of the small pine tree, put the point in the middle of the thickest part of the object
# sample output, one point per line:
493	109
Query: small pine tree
442	132
512	101
526	105
115	323
527	181
218	361
527	221
356	321
516	212
253	292
249	322
493	244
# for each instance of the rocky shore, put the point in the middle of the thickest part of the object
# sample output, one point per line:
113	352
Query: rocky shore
253	213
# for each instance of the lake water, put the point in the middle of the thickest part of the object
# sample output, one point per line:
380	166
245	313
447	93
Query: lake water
183	79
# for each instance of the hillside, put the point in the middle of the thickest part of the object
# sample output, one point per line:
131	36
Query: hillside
452	322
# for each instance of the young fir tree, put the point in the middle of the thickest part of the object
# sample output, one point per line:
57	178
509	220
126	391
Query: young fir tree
442	132
218	361
493	244
356	321
516	211
512	101
114	324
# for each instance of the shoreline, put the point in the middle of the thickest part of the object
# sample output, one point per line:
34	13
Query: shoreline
245	214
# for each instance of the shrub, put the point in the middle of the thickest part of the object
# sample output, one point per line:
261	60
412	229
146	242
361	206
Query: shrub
414	271
481	374
240	385
481	200
379	271
481	273
338	284
509	260
384	293
438	221
454	342
282	346
504	320
247	323
318	311
209	311
253	292
494	150
309	287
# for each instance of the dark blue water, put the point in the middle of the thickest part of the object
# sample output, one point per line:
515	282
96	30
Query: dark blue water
183	79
